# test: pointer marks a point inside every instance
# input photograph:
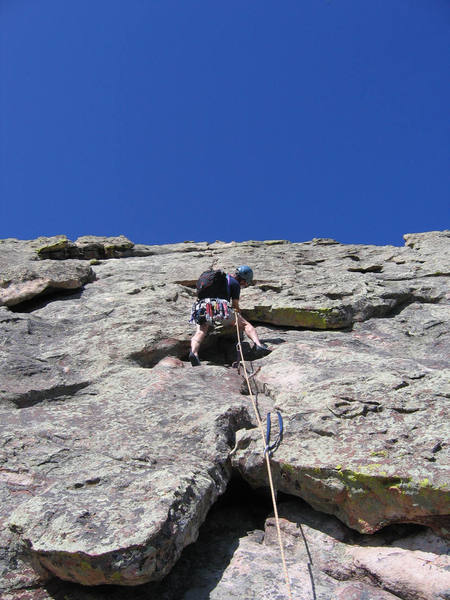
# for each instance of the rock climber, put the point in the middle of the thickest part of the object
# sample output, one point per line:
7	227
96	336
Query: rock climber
215	291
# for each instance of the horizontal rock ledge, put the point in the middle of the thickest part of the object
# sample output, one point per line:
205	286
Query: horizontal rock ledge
100	536
309	318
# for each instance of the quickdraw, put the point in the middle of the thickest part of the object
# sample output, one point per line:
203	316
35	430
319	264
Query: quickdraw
271	447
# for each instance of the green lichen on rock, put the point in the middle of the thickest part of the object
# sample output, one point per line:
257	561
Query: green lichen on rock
62	564
287	468
425	483
90	569
275	242
56	245
374	490
369	482
310	318
367	497
116	246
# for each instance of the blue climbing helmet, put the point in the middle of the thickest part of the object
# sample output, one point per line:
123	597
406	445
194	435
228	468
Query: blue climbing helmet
244	272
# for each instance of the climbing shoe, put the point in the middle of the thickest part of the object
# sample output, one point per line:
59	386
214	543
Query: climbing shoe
195	361
261	350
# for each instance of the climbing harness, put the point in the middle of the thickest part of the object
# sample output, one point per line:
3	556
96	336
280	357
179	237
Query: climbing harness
267	453
212	305
213	311
271	447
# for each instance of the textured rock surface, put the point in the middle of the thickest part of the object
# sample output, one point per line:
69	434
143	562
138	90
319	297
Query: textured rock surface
367	413
23	276
113	449
126	484
327	560
236	556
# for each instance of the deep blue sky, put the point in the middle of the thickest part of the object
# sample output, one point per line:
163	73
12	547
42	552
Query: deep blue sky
182	120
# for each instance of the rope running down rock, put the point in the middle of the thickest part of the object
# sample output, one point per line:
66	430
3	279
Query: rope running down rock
269	472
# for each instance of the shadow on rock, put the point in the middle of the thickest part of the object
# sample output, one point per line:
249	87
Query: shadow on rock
238	513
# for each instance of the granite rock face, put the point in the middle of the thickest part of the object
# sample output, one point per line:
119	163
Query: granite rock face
367	413
113	449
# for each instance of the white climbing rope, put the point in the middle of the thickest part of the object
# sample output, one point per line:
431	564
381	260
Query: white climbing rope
269	471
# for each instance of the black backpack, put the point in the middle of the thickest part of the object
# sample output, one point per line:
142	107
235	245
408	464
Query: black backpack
213	284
